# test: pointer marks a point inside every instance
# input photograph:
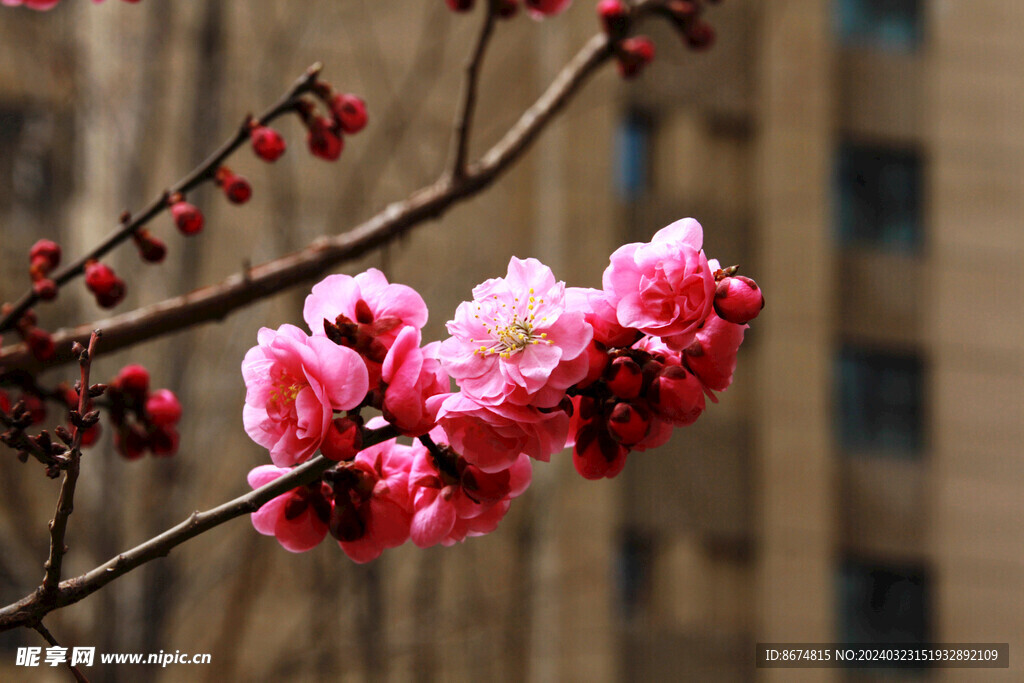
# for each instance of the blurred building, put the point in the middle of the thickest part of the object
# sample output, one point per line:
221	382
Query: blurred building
860	482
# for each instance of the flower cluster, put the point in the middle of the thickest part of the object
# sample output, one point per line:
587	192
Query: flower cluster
143	419
539	367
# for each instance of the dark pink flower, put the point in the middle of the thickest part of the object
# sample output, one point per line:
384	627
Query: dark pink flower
453	499
372	505
412	375
664	288
517	342
298	518
712	355
294	383
600	314
493	437
540	9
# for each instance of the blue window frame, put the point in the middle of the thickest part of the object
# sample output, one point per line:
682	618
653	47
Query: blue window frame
632	156
895	25
880	402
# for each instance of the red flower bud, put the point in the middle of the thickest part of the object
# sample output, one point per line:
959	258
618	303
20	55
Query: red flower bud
267	143
45	289
151	249
40	343
343	440
624	377
738	299
108	288
507	8
133	379
634	54
46	253
596	455
236	188
130	442
597	359
164	441
350	112
323	141
187	217
677	396
163	408
627	424
699	35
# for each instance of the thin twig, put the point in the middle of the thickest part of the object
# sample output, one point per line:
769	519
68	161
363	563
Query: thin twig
33	607
48	637
470	84
66	499
214	302
201	173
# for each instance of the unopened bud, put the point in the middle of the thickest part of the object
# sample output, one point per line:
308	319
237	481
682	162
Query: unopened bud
343	440
40	343
677	396
323	141
45	289
187	218
350	112
628	424
624	377
163	408
738	299
634	54
45	253
614	15
459	5
267	143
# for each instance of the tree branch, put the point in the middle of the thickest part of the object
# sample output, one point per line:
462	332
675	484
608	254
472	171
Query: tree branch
66	499
48	637
201	173
470	84
214	302
33	607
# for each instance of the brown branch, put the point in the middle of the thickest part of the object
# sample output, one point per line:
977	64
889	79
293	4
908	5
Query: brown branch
33	607
471	82
48	637
217	301
66	499
201	173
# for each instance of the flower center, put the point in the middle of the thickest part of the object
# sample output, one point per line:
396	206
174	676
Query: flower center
284	392
507	336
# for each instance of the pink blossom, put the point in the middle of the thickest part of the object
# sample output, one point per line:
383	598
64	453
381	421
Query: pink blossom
294	383
298	518
664	287
412	375
712	355
453	499
372	505
386	307
539	9
517	342
600	314
32	4
493	437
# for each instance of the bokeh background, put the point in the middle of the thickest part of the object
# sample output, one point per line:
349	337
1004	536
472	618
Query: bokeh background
861	481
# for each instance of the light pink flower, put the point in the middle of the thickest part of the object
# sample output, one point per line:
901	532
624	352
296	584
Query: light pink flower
294	383
665	287
412	375
454	499
493	437
712	355
387	306
600	314
517	342
298	518
539	9
372	505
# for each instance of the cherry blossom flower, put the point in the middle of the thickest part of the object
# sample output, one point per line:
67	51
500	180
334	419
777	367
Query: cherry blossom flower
412	375
601	315
294	383
712	355
372	510
517	342
665	287
298	518
366	299
493	437
453	499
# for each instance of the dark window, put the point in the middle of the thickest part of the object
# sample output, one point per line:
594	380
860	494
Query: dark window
878	197
632	156
880	402
633	564
882	604
888	24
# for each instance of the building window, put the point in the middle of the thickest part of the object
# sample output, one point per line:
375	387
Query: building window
880	402
633	566
882	603
888	24
878	197
633	156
